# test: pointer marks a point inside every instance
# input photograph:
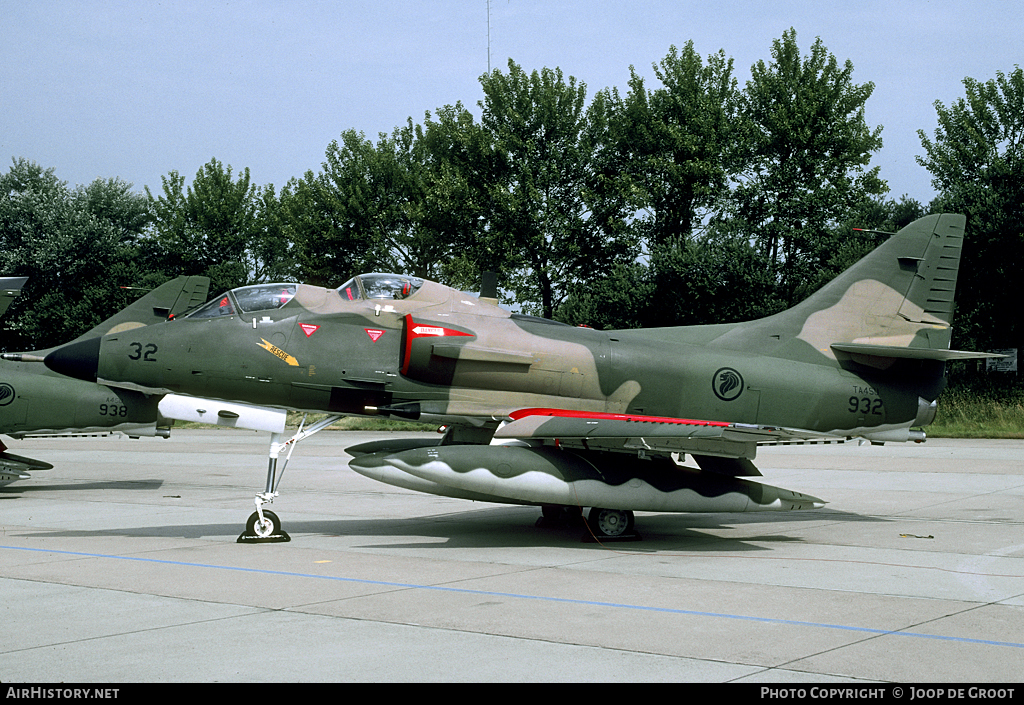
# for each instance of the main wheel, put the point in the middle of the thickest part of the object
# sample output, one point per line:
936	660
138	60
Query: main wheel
263	529
610	523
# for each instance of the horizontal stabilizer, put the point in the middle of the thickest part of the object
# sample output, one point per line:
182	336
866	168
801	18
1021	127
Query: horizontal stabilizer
892	351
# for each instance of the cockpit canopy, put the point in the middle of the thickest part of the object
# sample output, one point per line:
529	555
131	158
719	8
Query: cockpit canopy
267	297
379	286
247	299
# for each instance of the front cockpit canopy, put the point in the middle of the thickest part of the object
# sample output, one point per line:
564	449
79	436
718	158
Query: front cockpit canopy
379	286
247	299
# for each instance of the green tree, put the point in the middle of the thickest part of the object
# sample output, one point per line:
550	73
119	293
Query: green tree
621	298
541	209
977	165
720	278
461	179
212	227
367	209
270	254
78	247
805	149
675	144
323	253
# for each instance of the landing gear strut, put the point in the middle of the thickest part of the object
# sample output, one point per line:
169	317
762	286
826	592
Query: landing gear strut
557	516
263	525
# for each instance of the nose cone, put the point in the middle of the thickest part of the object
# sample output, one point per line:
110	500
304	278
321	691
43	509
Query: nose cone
79	360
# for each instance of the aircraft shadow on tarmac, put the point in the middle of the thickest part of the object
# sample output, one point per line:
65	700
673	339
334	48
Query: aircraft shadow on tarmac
502	528
16	490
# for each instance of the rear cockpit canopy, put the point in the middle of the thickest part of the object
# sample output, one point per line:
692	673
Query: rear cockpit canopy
247	299
379	286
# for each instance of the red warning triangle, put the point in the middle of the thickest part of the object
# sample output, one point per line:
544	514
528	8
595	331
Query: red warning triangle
308	328
374	333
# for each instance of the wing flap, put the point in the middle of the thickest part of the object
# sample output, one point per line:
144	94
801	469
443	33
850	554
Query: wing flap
656	434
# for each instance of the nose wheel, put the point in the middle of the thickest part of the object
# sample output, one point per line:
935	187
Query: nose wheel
267	528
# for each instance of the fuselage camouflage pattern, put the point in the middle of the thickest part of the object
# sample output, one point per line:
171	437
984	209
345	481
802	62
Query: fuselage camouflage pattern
863	357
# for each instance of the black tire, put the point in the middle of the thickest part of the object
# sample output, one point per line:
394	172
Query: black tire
610	523
271	527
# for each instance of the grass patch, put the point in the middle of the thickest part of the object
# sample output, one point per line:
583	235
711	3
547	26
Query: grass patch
979	410
362	423
349	423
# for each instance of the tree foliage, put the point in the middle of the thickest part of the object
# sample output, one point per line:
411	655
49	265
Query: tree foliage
541	211
805	154
676	143
977	163
214	227
77	246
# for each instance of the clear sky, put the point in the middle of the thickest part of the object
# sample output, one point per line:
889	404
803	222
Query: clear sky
111	88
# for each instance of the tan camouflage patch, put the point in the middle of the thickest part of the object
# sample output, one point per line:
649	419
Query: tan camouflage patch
869	312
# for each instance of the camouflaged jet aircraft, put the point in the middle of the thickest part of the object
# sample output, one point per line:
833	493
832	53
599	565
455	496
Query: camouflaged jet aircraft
547	414
35	401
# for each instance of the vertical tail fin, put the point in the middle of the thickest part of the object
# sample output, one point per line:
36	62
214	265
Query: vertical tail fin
170	299
896	302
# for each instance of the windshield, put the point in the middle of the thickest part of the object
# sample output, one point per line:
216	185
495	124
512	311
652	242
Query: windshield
247	299
379	286
263	297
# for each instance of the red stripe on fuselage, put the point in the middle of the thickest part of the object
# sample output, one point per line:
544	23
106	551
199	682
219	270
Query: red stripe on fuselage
600	416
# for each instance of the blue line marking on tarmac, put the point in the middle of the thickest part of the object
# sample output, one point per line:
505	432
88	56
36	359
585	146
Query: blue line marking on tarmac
563	600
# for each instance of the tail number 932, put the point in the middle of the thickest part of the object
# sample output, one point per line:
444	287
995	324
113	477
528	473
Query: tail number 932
865	405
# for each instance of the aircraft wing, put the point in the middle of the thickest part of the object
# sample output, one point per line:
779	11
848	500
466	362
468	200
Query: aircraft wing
654	434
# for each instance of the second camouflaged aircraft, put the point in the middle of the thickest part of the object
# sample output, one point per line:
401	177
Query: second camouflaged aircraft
543	413
34	401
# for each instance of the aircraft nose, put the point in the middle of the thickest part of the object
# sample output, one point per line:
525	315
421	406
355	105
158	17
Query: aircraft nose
79	360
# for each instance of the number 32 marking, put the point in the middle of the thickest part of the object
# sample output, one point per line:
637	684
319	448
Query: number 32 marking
146	354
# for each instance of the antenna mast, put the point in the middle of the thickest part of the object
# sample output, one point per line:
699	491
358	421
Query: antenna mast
488	36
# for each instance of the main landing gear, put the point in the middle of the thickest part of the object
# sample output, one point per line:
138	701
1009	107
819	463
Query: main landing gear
264	526
611	525
602	525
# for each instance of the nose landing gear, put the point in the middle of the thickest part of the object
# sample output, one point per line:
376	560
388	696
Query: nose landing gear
263	525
